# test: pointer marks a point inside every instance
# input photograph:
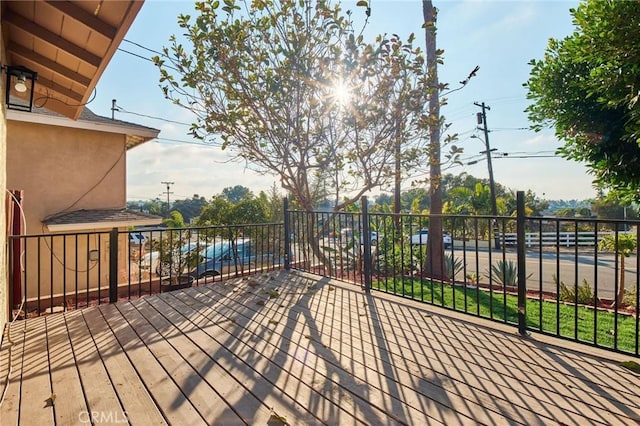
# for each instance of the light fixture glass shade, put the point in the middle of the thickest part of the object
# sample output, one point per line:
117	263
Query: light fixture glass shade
21	85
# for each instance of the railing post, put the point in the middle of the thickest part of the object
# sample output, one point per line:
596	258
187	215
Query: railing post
287	235
366	241
522	273
113	265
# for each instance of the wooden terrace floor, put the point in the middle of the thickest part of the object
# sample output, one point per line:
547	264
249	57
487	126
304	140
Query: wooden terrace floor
300	349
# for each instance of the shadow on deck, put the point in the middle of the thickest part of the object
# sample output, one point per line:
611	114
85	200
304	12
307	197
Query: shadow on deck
288	347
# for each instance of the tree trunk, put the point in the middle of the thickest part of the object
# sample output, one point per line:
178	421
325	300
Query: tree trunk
398	179
434	266
620	294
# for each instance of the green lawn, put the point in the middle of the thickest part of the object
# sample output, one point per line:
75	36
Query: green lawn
503	307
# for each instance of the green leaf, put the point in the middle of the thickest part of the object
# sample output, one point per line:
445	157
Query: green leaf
631	365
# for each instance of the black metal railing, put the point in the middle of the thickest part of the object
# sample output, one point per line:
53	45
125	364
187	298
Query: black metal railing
582	285
58	272
505	269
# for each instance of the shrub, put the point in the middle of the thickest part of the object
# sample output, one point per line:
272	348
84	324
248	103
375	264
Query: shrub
567	293
629	299
473	278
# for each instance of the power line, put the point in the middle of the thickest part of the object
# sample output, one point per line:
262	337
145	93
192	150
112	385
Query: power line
179	141
118	108
166	120
502	129
134	54
145	58
527	156
145	47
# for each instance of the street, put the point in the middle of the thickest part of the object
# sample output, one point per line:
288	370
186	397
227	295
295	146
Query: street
541	267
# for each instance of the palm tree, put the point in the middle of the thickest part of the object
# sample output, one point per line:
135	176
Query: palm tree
175	220
623	245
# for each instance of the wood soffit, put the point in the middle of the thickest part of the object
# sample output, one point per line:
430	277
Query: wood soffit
68	43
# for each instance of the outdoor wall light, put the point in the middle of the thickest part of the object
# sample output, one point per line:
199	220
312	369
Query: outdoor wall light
94	255
20	87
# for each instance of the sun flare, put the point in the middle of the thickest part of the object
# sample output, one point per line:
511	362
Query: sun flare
341	93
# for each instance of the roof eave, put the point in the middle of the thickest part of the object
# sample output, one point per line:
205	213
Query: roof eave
134	8
146	134
71	227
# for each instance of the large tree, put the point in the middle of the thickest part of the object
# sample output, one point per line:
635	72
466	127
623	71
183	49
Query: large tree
434	265
587	88
292	89
236	193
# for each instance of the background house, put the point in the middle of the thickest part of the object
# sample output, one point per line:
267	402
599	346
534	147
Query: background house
70	176
69	45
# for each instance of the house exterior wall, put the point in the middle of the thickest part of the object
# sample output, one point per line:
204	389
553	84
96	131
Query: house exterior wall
63	169
4	282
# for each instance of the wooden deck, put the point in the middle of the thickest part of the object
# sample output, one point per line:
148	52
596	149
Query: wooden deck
295	348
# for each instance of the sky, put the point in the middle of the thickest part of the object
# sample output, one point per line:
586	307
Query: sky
499	36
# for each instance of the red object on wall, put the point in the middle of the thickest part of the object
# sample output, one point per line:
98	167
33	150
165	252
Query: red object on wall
14	222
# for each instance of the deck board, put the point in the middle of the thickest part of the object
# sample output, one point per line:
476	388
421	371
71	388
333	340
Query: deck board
305	348
131	392
457	374
70	404
35	390
390	387
545	378
176	407
98	390
287	363
200	380
224	336
313	359
12	348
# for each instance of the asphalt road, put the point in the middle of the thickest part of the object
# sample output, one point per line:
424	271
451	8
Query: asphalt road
541	268
597	268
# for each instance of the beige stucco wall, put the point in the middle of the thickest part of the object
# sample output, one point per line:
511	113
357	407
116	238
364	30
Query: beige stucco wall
61	170
4	282
64	169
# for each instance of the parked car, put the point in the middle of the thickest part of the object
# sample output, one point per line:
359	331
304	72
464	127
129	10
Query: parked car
421	237
225	257
346	235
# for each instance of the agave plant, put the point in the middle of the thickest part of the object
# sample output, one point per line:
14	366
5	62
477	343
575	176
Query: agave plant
453	266
505	272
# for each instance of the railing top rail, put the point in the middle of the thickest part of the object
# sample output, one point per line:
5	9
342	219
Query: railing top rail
64	234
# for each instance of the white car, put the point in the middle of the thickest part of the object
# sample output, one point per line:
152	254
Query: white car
346	234
421	237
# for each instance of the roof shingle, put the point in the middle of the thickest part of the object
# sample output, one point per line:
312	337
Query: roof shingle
99	219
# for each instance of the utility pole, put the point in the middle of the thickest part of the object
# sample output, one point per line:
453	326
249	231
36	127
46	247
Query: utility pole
482	120
168	193
114	108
